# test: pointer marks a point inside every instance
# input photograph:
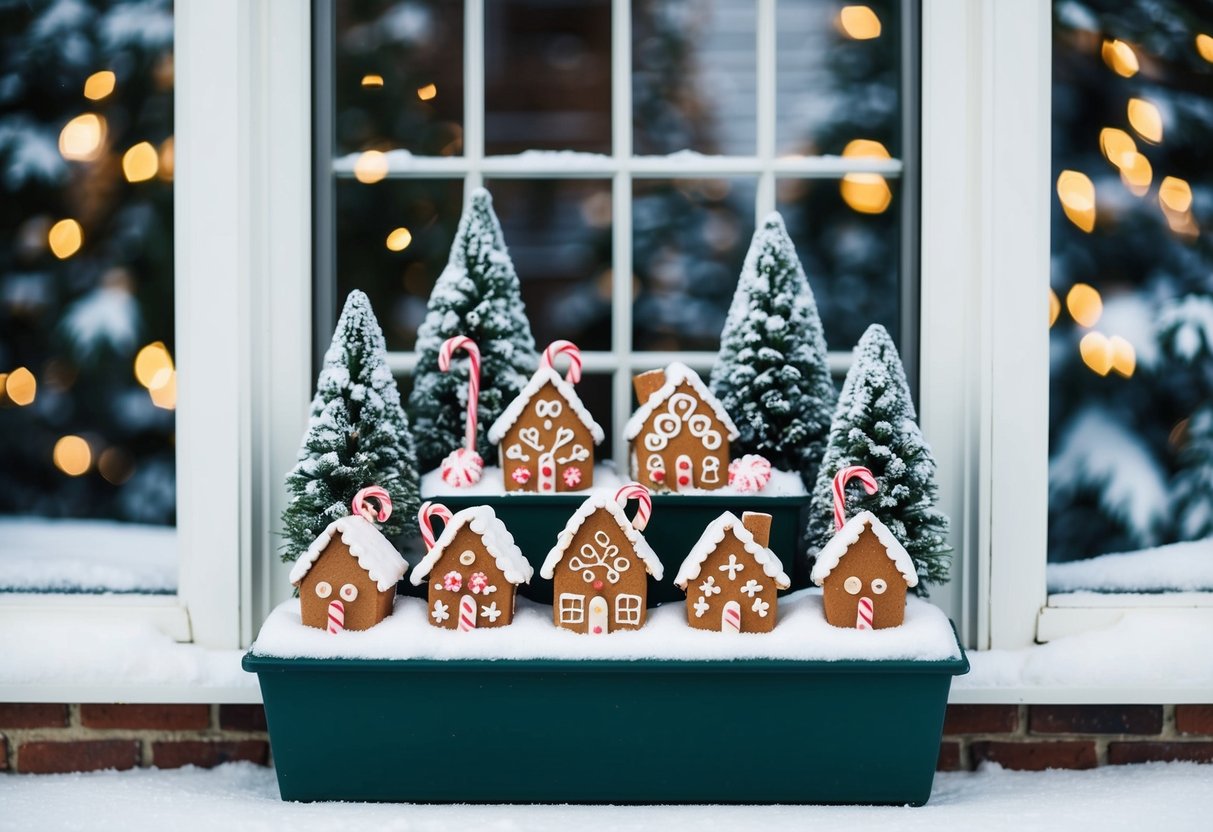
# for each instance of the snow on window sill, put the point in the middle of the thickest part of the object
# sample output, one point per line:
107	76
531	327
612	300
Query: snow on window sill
1179	567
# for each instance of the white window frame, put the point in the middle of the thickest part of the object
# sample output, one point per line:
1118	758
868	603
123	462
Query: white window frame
628	613
572	608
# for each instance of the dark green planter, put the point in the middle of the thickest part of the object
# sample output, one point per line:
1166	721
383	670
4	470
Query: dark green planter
605	731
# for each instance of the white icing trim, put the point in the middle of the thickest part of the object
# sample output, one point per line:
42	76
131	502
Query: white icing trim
593	503
544	375
840	543
375	554
710	540
495	536
676	374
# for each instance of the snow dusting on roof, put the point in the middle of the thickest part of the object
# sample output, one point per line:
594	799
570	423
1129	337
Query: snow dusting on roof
496	538
677	374
543	376
711	538
374	552
592	504
846	537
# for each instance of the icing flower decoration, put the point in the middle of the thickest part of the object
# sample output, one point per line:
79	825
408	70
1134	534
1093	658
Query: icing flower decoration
477	582
440	612
521	476
452	581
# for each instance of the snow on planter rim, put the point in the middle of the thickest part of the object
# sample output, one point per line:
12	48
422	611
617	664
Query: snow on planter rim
772	567
801	634
543	376
375	554
677	373
606	481
832	552
497	540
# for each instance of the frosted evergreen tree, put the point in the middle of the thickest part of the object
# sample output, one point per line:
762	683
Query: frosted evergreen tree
1186	336
357	436
875	426
476	295
772	373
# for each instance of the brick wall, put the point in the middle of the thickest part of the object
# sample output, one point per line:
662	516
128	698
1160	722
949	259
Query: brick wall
55	738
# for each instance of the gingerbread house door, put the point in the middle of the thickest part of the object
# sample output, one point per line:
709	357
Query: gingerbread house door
598	623
730	617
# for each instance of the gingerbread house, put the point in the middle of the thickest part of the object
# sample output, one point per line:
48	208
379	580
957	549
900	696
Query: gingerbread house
599	568
731	578
864	573
474	569
680	434
545	438
347	577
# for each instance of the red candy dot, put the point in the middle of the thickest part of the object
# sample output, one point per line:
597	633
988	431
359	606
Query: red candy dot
597	584
684	480
547	486
658	476
597	630
684	465
547	471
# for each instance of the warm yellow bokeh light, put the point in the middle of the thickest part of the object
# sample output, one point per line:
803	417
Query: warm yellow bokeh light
167	151
399	239
1096	352
1120	58
81	138
1124	357
1175	194
140	163
1204	45
1077	195
428	92
370	167
867	193
98	85
372	80
165	396
1145	118
1116	145
1137	174
1084	304
153	366
865	149
65	238
21	387
72	455
859	22
1054	307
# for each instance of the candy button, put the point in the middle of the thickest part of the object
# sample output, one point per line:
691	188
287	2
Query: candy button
684	464
684	480
597	584
547	486
547	471
658	476
597	630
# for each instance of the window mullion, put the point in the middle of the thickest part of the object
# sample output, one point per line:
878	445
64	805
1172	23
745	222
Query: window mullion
473	95
621	208
766	57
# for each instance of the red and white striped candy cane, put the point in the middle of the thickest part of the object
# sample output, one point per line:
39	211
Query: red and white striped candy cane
425	516
376	494
730	618
566	348
467	614
444	363
841	479
863	616
638	492
336	616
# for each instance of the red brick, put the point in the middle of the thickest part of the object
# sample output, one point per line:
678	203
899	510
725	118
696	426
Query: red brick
77	755
32	715
3	753
208	754
949	756
1035	756
1194	719
242	717
1149	752
1095	719
151	717
981	719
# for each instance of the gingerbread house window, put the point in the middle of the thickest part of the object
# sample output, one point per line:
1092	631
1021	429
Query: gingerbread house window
627	609
572	608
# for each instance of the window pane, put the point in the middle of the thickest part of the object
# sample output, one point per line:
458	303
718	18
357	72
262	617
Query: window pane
850	254
393	240
398	76
87	380
689	240
694	76
838	76
595	393
547	75
1131	393
559	236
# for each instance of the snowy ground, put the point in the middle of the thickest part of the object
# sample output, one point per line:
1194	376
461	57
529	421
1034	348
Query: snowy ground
45	555
1172	796
1180	567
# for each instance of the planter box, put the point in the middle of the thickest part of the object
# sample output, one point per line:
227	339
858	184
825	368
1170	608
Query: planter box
599	731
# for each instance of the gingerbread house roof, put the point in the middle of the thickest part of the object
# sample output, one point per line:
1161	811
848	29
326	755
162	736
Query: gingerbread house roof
711	539
498	542
676	374
375	554
595	503
544	375
840	543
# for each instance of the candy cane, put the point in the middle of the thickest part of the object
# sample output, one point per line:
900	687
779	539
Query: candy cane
467	614
863	616
840	483
635	490
336	616
376	494
730	618
425	516
444	363
567	348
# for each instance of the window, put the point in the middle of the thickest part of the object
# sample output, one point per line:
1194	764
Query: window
627	609
572	608
638	139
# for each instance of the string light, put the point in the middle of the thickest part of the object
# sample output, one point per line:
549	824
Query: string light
1096	352
72	455
81	138
1120	58
1084	304
1145	118
65	238
1137	174
1116	145
859	22
1077	195
1204	45
372	80
428	92
140	163
99	85
1054	308
21	387
370	167
1124	357
399	239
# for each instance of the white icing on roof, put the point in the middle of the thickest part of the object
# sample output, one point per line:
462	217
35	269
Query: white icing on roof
711	538
375	554
592	504
496	538
544	375
832	552
676	374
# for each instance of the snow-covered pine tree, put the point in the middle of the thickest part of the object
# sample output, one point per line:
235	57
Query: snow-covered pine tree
357	436
772	372
476	295
875	426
